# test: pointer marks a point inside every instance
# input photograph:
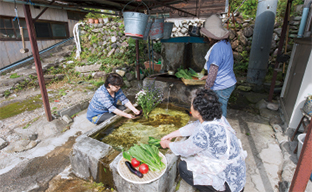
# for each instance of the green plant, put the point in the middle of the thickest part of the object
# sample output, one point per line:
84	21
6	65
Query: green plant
157	47
6	93
97	83
14	75
62	92
32	121
130	53
148	98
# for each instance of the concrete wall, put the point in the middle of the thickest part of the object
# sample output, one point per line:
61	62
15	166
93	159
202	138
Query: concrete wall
304	91
9	50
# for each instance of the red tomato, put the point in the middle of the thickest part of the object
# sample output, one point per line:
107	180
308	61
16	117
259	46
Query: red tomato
143	168
135	162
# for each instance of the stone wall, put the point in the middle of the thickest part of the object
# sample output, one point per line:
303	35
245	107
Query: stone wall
240	37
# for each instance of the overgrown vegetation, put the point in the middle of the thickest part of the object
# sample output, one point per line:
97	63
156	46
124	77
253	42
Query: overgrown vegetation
249	8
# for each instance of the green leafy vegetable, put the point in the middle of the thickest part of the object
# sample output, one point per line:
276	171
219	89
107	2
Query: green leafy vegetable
153	141
187	74
149	155
126	155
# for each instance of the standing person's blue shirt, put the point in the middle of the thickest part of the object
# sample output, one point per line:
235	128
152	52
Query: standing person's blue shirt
222	56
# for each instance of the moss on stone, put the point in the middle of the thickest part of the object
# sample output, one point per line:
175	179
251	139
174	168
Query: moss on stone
18	107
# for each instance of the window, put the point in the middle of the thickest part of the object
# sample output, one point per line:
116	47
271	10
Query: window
51	30
9	29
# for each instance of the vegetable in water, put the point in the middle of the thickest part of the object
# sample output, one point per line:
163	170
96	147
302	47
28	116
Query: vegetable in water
143	168
134	162
133	170
153	141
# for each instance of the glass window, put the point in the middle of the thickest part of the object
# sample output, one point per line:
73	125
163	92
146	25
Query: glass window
9	29
43	29
1	23
59	30
8	23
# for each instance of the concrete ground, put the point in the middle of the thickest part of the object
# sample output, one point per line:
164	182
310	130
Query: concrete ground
46	167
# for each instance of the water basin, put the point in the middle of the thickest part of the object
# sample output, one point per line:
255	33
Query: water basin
126	132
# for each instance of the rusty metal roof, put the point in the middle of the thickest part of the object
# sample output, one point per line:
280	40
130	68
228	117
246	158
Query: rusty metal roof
175	8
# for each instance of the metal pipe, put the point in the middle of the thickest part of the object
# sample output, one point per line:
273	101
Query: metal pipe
304	17
57	7
137	58
34	47
149	52
153	54
304	165
261	41
279	50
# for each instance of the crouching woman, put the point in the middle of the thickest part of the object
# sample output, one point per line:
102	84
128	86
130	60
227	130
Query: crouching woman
212	158
104	102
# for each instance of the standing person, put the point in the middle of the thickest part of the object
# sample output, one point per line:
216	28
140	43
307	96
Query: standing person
104	102
212	158
219	60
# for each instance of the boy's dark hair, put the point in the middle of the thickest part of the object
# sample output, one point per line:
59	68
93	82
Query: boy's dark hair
206	102
113	79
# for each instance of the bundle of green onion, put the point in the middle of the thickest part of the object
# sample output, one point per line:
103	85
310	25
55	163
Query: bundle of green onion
146	154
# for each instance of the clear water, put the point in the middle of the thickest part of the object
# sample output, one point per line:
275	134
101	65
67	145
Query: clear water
161	121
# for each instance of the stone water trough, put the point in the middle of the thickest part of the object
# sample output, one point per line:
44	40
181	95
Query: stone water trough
95	160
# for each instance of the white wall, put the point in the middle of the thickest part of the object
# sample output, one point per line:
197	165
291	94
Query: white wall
304	91
10	50
7	9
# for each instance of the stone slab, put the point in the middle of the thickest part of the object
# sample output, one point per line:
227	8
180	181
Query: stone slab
74	109
3	143
86	155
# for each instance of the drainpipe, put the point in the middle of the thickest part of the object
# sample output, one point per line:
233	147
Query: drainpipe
304	17
261	41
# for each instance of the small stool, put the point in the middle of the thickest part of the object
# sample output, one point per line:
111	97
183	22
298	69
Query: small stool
305	120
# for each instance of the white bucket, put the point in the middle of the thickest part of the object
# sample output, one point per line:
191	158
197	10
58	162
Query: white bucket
301	138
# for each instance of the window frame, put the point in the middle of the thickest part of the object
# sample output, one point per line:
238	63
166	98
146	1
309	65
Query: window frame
13	28
50	23
37	21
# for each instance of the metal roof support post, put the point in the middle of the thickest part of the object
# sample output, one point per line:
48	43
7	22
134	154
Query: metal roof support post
35	51
261	41
279	50
304	165
137	59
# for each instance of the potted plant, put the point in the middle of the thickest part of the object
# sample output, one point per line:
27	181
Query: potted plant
157	66
90	17
101	20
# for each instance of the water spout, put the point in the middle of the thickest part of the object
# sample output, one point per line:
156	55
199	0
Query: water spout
170	86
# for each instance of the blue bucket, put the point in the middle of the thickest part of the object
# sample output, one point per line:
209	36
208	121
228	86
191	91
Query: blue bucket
135	22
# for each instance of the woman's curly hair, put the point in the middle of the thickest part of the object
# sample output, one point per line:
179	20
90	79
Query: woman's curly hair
206	102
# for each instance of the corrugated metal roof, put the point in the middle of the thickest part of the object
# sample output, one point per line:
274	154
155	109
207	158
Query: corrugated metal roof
175	8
